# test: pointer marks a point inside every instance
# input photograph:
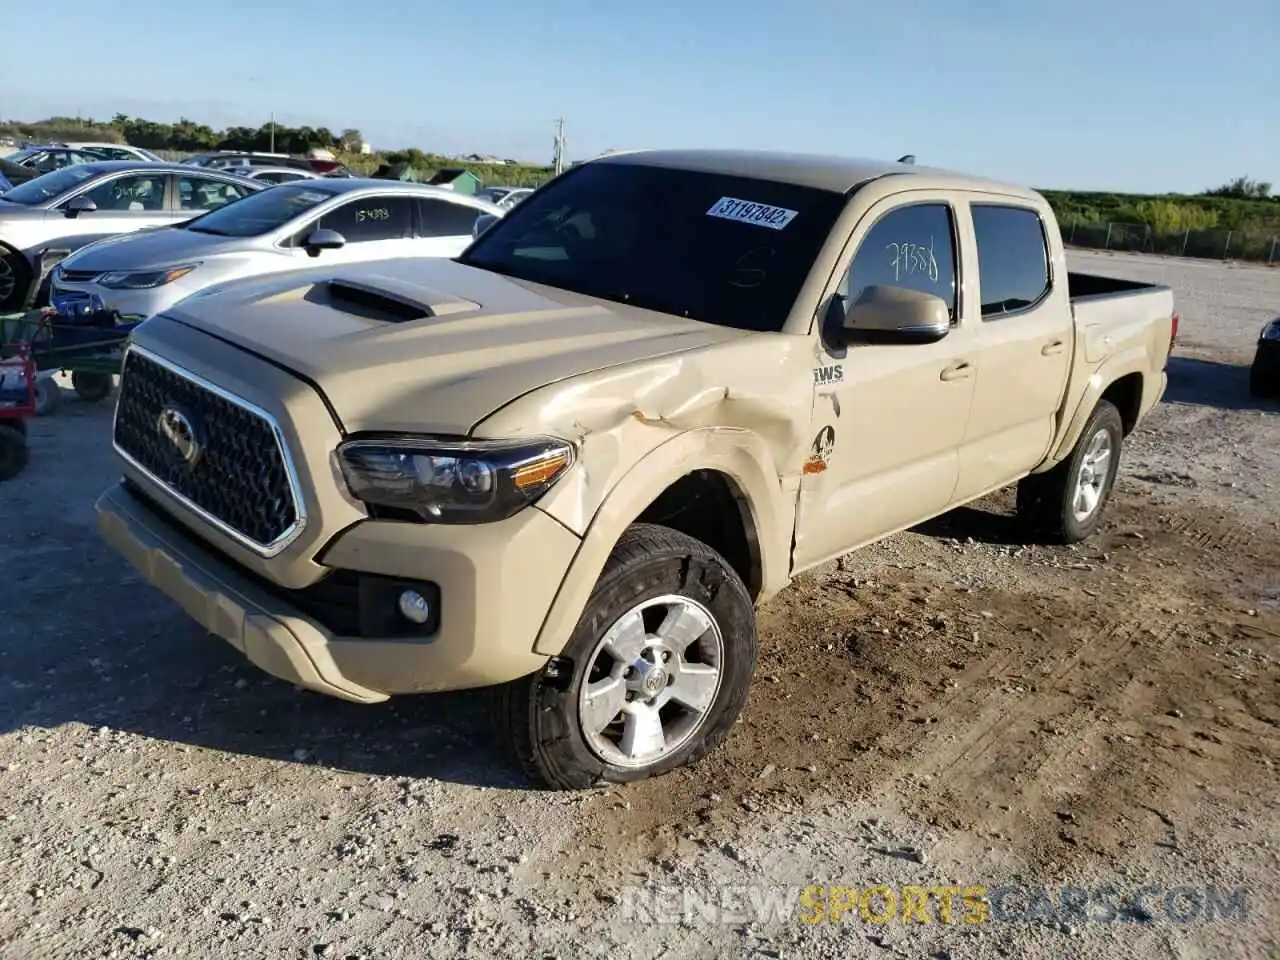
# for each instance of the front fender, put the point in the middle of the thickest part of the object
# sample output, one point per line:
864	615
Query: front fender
739	454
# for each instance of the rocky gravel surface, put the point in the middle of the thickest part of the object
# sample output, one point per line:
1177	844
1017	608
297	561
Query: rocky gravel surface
951	714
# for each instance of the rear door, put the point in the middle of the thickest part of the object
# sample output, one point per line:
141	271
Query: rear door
1025	343
444	226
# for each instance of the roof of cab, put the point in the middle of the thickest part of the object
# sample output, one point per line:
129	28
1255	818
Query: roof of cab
820	171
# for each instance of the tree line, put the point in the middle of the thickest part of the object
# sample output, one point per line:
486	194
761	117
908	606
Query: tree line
1240	203
185	136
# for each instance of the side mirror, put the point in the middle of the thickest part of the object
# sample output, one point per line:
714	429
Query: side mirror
78	205
483	223
886	314
322	239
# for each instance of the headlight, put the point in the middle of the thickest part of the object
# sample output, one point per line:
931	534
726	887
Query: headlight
144	281
1271	331
442	481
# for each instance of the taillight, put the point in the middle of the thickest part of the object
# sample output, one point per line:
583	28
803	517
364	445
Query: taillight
1173	331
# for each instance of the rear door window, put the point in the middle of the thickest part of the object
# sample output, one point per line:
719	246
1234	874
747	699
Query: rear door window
1013	260
199	194
440	218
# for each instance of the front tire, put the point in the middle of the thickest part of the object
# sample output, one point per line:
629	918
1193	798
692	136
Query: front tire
654	675
92	387
15	280
1066	504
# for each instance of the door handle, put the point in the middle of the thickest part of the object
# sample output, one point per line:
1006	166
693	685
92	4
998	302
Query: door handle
1052	347
960	370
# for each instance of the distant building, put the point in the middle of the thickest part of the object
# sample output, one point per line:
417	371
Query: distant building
455	178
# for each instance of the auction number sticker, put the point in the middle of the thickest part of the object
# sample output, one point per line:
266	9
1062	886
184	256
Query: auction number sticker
745	211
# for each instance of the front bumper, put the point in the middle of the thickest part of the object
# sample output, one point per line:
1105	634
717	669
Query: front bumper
496	581
129	303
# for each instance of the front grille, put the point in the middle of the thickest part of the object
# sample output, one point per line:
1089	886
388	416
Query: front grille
212	451
76	276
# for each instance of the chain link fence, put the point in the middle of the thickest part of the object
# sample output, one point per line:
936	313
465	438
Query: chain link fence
1215	244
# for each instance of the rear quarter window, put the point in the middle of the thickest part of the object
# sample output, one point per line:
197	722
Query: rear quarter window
1013	259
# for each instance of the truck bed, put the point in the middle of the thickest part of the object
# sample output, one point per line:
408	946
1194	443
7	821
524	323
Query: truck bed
1085	286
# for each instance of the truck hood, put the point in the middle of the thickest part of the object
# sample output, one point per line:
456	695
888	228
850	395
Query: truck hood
430	345
152	249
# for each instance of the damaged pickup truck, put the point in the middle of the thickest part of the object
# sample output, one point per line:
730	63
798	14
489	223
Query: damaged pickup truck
568	463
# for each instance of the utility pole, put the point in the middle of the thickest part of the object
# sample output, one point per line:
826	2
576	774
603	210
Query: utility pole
558	162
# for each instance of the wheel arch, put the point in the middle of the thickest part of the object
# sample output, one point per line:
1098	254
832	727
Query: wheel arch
1123	379
731	467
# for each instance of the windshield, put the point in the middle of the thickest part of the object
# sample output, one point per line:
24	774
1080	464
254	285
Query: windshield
50	185
260	212
727	250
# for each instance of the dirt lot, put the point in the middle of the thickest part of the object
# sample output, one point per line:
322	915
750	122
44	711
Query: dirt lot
949	707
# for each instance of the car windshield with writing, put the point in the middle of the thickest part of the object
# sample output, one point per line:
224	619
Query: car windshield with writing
260	212
733	251
50	185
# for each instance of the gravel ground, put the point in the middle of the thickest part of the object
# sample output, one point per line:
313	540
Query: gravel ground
949	708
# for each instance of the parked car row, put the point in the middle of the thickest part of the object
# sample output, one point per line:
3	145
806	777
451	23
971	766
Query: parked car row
85	215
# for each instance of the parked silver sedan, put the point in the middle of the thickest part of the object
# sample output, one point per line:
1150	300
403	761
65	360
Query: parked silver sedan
272	174
44	220
286	227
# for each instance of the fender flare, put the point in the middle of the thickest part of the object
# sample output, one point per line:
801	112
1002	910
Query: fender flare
738	454
1099	382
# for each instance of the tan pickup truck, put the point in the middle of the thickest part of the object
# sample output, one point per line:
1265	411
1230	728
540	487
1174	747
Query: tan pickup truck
570	462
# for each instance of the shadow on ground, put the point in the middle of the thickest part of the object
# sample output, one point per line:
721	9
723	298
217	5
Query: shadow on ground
89	643
983	523
1212	384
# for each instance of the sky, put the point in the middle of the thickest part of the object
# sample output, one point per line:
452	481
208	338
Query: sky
1132	95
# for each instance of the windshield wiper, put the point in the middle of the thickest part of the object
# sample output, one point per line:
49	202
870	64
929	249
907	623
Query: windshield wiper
208	230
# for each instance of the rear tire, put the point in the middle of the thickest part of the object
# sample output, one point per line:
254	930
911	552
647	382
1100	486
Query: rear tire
92	387
1066	504
13	452
668	637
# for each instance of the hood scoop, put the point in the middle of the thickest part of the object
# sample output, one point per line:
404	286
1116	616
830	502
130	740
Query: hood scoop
388	299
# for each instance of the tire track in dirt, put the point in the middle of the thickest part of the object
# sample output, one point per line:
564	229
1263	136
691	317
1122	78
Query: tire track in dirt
892	675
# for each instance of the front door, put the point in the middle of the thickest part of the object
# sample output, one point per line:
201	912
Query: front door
375	228
1025	347
888	418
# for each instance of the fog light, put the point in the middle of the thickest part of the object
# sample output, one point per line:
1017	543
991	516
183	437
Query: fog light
414	606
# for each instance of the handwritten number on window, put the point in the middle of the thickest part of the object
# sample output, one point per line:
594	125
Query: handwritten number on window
374	213
913	260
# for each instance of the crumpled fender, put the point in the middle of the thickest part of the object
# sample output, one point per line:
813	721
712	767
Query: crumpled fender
740	454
